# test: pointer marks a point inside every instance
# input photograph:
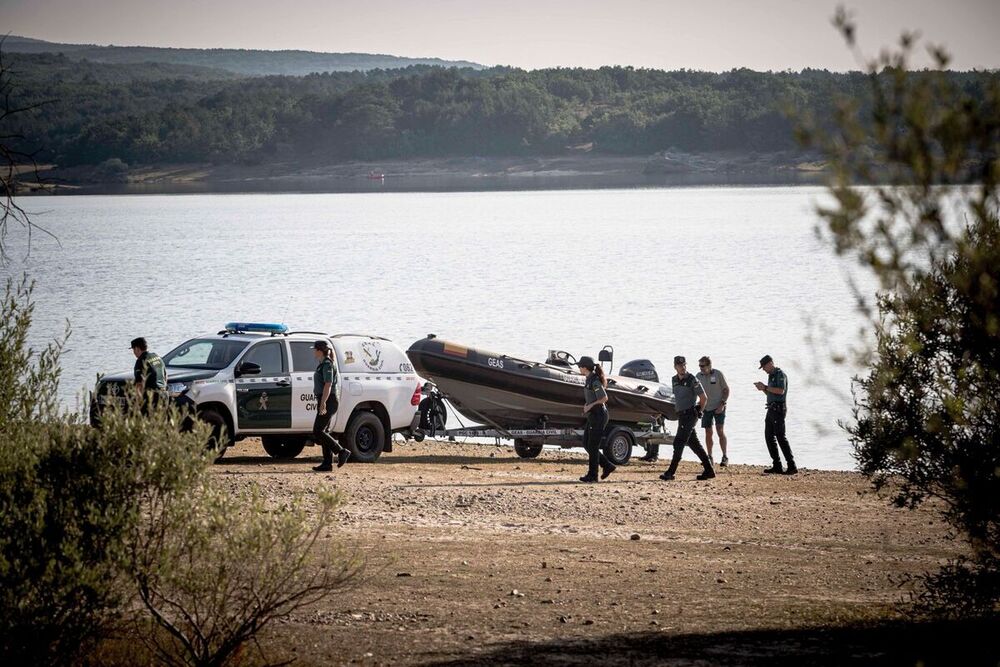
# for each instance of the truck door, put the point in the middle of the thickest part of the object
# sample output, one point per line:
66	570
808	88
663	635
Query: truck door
303	400
264	400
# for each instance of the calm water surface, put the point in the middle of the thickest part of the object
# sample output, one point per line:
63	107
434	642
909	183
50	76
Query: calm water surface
734	273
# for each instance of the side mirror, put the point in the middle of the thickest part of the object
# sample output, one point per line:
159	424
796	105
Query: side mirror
247	368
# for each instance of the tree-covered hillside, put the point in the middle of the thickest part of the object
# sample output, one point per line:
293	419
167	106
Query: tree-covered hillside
103	113
246	62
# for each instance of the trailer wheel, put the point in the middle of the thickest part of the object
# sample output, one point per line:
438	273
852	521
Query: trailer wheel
527	450
618	445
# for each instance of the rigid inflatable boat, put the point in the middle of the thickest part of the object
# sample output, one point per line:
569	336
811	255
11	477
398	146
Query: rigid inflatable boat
514	393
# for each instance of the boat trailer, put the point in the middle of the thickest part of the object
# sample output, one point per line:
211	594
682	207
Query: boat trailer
618	442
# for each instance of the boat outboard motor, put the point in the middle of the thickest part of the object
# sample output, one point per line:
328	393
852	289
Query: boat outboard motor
433	413
641	369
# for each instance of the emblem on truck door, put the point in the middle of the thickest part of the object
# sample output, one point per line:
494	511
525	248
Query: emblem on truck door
262	401
371	354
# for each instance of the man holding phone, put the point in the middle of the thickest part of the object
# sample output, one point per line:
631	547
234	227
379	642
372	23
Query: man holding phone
776	390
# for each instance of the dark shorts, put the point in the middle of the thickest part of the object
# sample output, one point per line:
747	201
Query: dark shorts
709	415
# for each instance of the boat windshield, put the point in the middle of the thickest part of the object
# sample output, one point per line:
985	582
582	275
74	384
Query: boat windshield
205	353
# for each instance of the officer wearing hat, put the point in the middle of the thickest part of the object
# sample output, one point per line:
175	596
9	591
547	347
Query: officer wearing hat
324	389
776	390
150	374
595	407
689	401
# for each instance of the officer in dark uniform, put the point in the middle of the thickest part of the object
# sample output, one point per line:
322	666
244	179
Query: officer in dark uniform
595	407
774	421
689	401
150	375
324	383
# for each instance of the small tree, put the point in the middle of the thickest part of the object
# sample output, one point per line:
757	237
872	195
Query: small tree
927	414
16	158
70	497
215	568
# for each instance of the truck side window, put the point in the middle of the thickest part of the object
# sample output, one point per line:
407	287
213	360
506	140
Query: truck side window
269	356
303	359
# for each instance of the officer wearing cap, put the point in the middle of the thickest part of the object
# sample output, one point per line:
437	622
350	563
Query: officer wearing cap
595	407
689	401
324	383
150	374
776	390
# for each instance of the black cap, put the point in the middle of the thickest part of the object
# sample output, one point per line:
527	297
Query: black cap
765	359
140	343
680	360
321	345
586	362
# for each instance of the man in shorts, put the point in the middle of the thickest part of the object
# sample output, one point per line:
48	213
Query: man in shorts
717	391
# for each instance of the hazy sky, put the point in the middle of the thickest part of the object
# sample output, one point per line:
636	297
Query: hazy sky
697	34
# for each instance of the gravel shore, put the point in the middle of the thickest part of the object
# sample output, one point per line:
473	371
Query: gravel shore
475	555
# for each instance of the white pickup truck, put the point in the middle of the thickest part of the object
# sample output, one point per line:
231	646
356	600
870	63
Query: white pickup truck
256	380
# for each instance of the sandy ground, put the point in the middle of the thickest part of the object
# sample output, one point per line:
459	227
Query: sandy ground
474	555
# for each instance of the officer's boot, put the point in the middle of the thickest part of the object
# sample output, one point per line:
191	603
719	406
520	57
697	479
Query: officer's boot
342	456
674	462
327	464
607	467
708	472
775	469
786	449
790	468
593	460
652	453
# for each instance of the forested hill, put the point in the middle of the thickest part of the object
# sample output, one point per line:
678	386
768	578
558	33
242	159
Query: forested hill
144	116
248	62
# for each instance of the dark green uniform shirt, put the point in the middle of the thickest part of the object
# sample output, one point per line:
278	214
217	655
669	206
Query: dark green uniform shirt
150	372
686	392
593	390
324	373
777	378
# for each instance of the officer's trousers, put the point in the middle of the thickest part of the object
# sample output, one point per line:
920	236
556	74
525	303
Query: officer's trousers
152	399
687	435
774	433
593	433
325	440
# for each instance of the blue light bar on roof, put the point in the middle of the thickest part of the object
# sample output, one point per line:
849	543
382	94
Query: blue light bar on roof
256	327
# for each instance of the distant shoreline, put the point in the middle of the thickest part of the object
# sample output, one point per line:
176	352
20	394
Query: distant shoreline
440	174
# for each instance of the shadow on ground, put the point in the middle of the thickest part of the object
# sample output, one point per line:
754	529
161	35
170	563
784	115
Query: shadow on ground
889	643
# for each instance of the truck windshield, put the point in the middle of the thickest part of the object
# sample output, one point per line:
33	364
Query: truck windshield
205	353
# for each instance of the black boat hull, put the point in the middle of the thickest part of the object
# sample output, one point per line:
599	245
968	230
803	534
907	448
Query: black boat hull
514	393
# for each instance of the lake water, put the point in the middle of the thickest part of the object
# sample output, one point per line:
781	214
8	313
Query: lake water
734	273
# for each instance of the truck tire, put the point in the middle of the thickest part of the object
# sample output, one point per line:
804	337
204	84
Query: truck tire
365	437
219	439
618	445
282	446
527	450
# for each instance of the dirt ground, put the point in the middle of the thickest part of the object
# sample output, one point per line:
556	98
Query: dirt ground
474	555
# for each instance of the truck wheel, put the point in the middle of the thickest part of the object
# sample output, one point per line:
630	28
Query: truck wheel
219	439
282	447
527	450
618	445
365	437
